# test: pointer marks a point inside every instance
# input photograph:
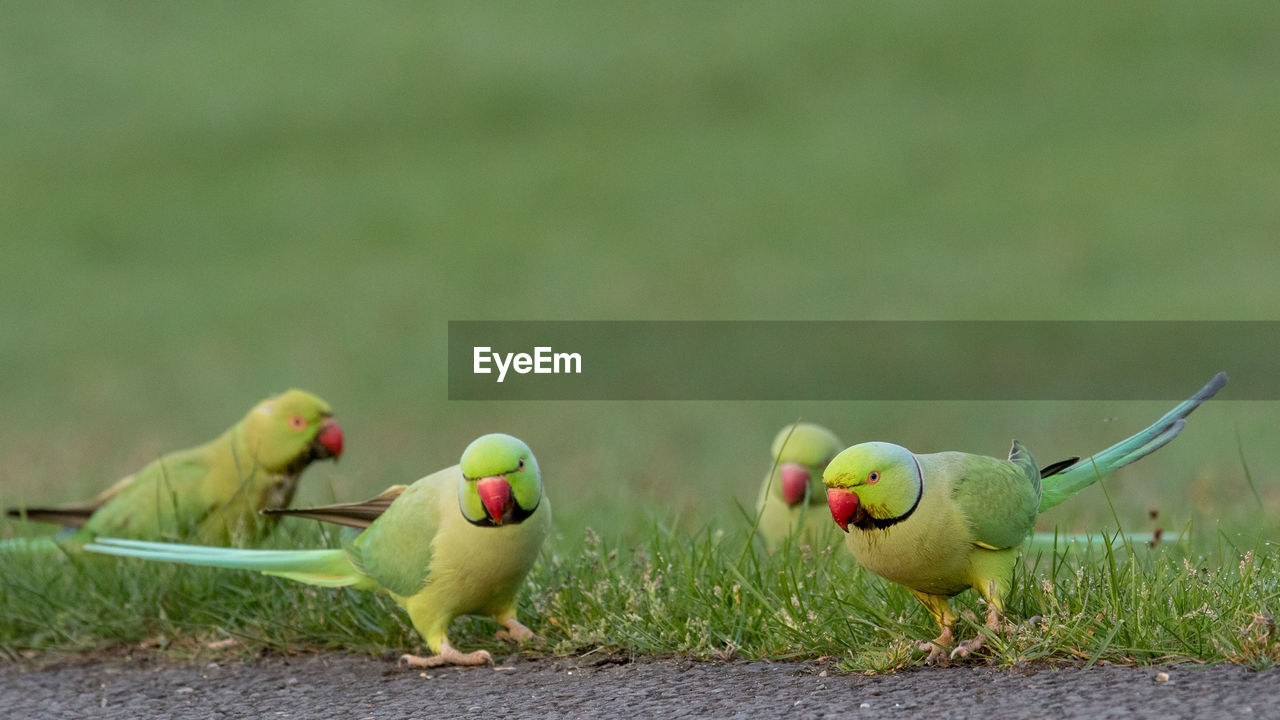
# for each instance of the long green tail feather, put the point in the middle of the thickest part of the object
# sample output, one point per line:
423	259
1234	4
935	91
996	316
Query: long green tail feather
315	567
1059	487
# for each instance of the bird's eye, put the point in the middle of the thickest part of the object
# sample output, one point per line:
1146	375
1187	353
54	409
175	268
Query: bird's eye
873	477
521	465
297	422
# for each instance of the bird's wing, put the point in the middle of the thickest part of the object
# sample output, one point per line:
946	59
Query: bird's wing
163	498
395	550
997	499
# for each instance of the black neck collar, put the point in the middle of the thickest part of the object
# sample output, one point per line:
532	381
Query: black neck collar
866	521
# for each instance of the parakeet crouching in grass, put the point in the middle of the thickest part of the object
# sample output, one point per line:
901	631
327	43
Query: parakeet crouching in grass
944	522
211	493
457	542
793	501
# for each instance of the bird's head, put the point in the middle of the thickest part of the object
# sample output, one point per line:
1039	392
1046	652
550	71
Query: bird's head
501	483
801	451
287	432
872	485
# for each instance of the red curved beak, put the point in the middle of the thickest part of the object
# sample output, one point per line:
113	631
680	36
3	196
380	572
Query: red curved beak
795	480
844	505
330	436
495	493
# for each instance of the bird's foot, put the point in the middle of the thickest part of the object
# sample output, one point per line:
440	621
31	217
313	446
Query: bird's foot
515	631
971	645
937	654
448	656
938	647
996	622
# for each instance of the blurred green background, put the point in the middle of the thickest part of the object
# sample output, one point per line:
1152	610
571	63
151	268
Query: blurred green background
202	204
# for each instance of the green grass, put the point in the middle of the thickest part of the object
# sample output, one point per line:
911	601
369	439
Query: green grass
699	595
204	205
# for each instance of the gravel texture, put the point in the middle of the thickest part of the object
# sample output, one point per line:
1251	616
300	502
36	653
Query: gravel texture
338	686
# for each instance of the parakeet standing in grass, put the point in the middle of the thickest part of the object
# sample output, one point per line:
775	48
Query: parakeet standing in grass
457	542
211	493
793	501
945	522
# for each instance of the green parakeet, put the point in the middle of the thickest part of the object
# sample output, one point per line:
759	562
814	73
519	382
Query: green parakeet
945	522
211	493
456	542
793	501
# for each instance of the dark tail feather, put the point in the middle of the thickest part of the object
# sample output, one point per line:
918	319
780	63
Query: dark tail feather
356	515
1055	468
68	517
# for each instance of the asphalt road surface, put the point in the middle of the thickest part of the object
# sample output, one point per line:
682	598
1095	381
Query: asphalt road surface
336	686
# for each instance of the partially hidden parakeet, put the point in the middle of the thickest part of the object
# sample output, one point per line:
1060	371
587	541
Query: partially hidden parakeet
211	493
945	522
457	542
793	501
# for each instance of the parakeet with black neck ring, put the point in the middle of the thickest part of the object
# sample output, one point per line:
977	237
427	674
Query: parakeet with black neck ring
942	523
457	542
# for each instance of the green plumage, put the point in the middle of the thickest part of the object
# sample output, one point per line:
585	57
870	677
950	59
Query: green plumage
999	498
422	547
395	551
211	493
946	522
